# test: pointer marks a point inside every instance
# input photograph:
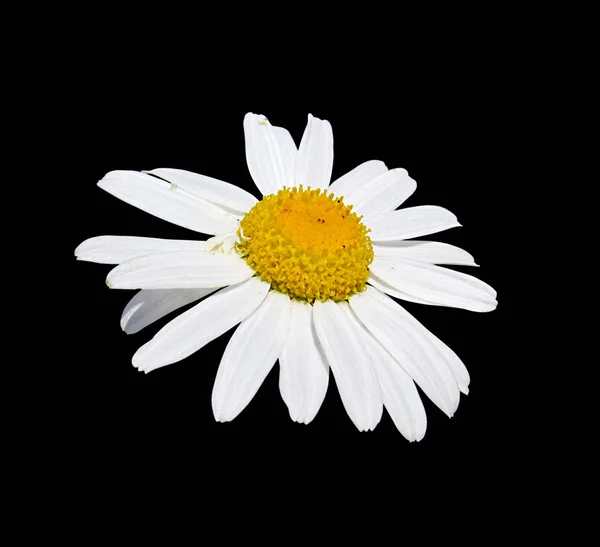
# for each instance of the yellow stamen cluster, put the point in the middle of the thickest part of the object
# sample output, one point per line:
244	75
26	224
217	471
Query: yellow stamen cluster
307	244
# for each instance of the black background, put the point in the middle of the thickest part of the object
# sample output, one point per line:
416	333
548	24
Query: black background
448	122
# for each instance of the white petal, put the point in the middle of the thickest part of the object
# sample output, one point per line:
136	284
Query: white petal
388	289
411	222
432	252
270	153
359	176
179	270
304	373
167	201
216	191
117	249
146	307
400	395
351	365
382	194
315	154
435	284
250	355
199	325
459	371
387	321
456	366
288	152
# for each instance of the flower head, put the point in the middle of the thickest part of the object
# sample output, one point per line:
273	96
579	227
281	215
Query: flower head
307	272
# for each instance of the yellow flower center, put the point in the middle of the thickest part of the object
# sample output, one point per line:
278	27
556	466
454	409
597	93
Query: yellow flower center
307	244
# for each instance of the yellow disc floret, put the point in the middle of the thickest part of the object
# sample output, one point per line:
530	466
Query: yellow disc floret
307	244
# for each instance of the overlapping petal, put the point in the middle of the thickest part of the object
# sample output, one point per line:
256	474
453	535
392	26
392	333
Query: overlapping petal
199	325
228	196
180	270
304	373
359	176
411	222
350	362
382	194
118	249
315	155
388	323
250	355
167	201
399	393
456	366
435	284
270	153
432	252
148	306
396	293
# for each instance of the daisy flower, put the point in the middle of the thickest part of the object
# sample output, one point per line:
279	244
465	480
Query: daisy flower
307	273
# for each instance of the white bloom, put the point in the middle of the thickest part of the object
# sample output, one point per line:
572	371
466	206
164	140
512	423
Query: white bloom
305	275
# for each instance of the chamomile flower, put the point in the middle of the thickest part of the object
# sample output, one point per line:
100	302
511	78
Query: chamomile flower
307	272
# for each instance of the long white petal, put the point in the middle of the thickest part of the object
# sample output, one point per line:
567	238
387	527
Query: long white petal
396	293
315	154
351	365
213	190
454	363
382	194
435	284
117	249
250	355
179	270
459	371
199	325
411	222
359	176
304	373
432	252
146	307
167	201
387	321
270	153
400	395
289	153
